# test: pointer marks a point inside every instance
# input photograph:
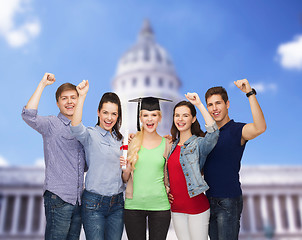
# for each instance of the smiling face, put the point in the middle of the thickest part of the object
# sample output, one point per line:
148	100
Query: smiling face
67	102
108	116
183	119
218	109
150	119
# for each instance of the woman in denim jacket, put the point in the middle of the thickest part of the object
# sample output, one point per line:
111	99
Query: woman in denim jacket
190	207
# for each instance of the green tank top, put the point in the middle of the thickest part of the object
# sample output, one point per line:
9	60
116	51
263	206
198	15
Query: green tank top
149	191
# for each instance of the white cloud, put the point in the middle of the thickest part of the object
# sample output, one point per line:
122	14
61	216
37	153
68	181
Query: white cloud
3	162
40	163
261	87
265	87
17	35
290	54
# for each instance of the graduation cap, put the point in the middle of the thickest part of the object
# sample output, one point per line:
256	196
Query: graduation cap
147	103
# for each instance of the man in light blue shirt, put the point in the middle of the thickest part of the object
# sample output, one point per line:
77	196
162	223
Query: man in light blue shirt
64	161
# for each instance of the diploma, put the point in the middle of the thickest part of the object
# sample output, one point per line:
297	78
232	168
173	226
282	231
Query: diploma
126	131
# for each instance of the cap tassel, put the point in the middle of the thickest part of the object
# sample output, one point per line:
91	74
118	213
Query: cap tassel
138	110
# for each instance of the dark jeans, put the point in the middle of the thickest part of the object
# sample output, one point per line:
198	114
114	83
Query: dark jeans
225	218
102	216
63	220
158	224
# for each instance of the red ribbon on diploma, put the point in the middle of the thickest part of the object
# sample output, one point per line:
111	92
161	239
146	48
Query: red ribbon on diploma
124	147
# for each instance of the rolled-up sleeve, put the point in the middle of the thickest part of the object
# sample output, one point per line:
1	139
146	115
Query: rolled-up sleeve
209	141
80	132
39	123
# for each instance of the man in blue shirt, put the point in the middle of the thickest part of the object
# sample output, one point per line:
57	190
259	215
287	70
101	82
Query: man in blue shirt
221	170
64	161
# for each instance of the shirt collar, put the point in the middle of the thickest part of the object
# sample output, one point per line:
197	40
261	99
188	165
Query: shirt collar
64	119
193	137
103	132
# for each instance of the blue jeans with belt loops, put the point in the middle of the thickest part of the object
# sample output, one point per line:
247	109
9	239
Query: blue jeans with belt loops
225	218
63	220
102	216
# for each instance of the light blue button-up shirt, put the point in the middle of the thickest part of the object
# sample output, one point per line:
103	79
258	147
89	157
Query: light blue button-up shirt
63	154
102	150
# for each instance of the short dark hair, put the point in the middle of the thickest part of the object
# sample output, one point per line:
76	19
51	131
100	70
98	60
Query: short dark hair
217	91
113	98
195	127
65	87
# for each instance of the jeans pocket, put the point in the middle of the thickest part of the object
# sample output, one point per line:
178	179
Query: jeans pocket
90	205
226	204
53	201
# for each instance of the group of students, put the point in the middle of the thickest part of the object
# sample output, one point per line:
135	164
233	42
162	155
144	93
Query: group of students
161	177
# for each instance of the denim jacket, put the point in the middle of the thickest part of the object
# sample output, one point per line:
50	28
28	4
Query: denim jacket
192	157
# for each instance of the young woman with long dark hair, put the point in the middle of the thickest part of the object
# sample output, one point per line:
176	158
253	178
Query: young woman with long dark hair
102	200
189	205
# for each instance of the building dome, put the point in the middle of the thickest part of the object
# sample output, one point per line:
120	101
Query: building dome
146	54
147	70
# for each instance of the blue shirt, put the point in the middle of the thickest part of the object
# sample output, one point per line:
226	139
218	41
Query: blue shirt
102	149
63	154
221	170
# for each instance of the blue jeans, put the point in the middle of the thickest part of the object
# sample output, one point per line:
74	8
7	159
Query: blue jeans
225	218
103	216
63	220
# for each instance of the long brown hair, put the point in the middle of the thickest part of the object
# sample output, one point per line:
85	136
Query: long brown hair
112	98
195	127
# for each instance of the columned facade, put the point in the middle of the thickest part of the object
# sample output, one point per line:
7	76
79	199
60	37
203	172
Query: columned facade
272	203
21	203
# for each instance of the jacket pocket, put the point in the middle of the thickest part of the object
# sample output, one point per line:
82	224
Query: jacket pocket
191	154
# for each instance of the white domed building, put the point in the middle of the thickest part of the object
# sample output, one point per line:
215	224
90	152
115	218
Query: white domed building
147	70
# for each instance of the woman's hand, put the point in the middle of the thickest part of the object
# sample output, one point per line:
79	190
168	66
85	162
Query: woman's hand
126	171
193	98
125	162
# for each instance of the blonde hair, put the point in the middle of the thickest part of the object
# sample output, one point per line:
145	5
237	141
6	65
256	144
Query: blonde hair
136	143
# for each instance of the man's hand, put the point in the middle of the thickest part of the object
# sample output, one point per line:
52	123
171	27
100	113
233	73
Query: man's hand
243	85
193	98
171	198
83	87
48	79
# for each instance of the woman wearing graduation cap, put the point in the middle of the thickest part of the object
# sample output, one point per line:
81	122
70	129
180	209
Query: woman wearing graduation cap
146	194
189	205
102	200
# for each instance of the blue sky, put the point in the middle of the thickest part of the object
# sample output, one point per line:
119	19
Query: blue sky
210	42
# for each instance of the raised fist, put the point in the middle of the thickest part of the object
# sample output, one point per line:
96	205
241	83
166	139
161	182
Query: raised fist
83	87
193	98
48	79
243	85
